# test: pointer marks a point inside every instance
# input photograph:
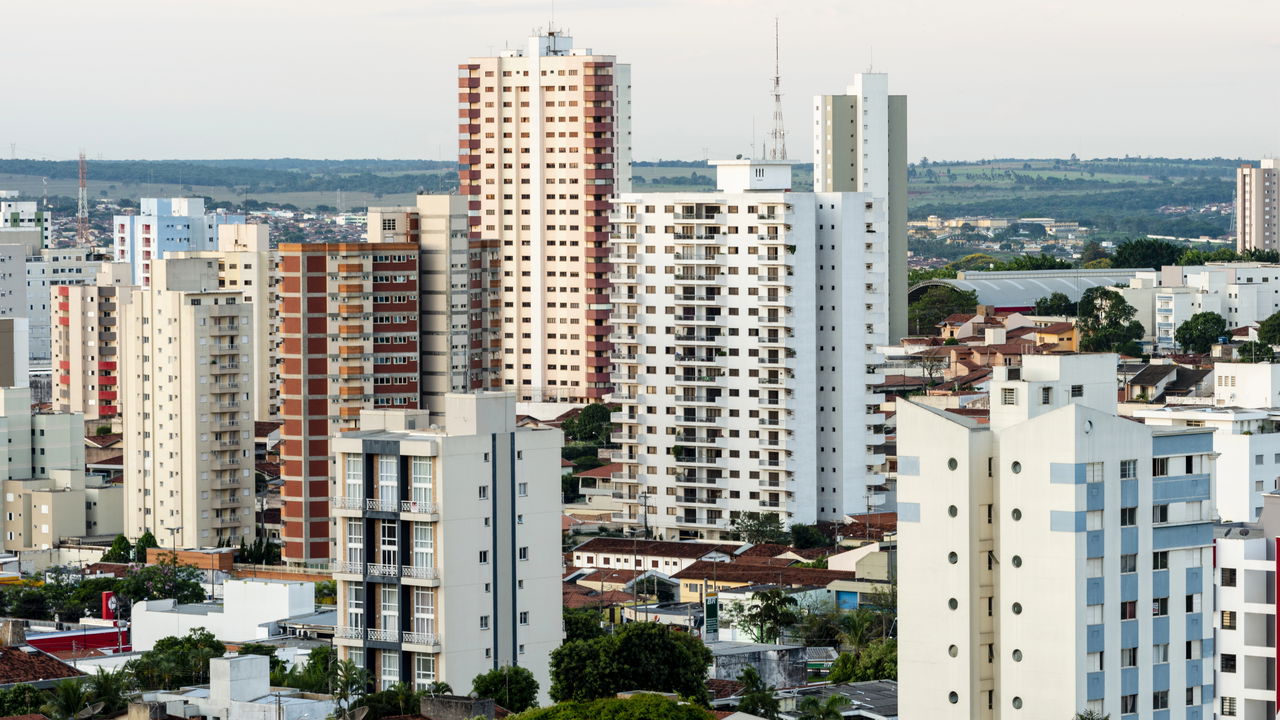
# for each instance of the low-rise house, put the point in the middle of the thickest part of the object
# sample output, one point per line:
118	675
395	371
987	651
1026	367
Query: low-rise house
702	577
251	609
779	666
239	689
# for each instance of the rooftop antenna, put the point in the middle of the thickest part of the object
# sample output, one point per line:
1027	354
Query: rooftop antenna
871	66
779	133
82	206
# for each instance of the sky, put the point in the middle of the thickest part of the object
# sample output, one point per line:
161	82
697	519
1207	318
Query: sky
158	79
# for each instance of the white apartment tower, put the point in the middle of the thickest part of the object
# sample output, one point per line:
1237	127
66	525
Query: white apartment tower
27	215
188	419
860	145
1056	560
1257	205
544	143
165	225
86	343
745	322
448	560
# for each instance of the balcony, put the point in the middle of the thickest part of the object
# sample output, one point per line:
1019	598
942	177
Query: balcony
701	521
414	638
696	339
381	505
695	419
349	568
694	399
381	635
698	320
420	573
696	500
771	503
379	570
347	503
347	632
697	278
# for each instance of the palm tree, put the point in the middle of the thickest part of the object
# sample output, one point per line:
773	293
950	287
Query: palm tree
70	700
1091	715
856	628
438	688
111	689
811	708
349	683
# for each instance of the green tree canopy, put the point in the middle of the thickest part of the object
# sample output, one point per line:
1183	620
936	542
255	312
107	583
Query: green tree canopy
756	528
581	624
1106	323
757	698
511	686
67	698
639	655
121	551
1055	303
1093	252
144	543
166	580
638	707
1199	332
1255	352
808	536
176	661
934	304
21	699
589	426
1269	330
768	614
831	708
1146	253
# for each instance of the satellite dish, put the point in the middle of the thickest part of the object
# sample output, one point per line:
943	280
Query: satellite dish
90	711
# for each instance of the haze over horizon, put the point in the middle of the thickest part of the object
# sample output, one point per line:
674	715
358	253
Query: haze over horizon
997	78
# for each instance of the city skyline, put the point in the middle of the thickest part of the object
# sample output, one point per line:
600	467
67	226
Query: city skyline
1067	84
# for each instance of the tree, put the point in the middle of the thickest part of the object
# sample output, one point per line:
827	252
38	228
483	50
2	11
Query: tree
349	683
121	551
67	699
1255	352
1146	253
591	425
1091	715
145	542
166	580
878	662
1269	330
770	612
268	651
757	698
756	528
315	676
21	699
1056	303
399	699
843	669
176	661
112	689
857	628
811	708
645	706
639	655
511	686
581	624
1092	252
1105	321
808	536
1199	332
935	304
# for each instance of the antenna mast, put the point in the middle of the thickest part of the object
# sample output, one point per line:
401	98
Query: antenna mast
82	206
779	133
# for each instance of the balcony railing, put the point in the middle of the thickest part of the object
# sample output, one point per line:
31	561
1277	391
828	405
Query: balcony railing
414	506
381	504
420	573
378	570
347	503
349	632
384	635
420	638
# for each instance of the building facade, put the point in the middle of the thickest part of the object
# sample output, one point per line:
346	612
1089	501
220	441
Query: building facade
1257	205
1242	293
188	420
1245	615
746	322
544	143
860	145
46	271
448	552
27	215
1058	559
86	343
349	341
165	225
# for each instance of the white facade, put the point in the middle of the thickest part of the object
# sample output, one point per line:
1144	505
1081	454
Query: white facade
27	215
745	323
165	225
240	689
13	278
1243	293
1246	385
49	269
1245	617
448	561
1248	447
1258	206
1054	560
249	610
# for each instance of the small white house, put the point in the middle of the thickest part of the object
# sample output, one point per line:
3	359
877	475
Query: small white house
250	610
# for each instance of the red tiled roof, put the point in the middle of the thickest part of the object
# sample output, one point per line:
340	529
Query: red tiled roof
610	576
113	460
28	665
263	428
28	716
721	689
107	568
775	549
102	441
1058	327
565	463
871	526
735	572
652	548
603	472
572	598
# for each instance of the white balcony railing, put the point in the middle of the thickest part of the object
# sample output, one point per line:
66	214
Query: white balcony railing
384	635
342	566
382	570
381	504
414	506
345	631
347	503
420	638
421	573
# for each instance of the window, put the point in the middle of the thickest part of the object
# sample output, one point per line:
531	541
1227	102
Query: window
390	550
1228	706
424	670
522	489
355	476
1128	704
1009	396
524	617
388	478
424	611
355	605
484	492
1128	657
1228	577
390	675
1160	606
1129	563
421	480
1159	467
1128	610
1077	391
1160	653
1128	469
1046	396
1160	700
1159	513
1093	472
1128	516
423	546
390	608
523	553
484	622
1228	663
484	557
1228	620
1160	560
355	544
1257	459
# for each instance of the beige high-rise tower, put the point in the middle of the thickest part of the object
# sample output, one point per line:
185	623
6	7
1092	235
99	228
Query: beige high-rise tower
544	142
1257	202
186	350
860	145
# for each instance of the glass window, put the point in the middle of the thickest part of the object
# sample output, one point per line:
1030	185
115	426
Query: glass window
1128	657
390	607
424	670
355	476
1128	469
1160	560
1228	577
388	481
1228	663
390	554
423	546
1159	467
355	541
424	610
390	669
1160	653
421	481
1128	563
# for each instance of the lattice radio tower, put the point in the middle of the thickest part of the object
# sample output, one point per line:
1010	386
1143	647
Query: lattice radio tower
778	134
82	206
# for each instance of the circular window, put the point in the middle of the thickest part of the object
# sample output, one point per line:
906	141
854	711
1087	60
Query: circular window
1016	467
1017	514
954	697
952	464
1017	703
1088	426
953	651
1017	561
1017	608
1017	656
953	511
953	603
953	558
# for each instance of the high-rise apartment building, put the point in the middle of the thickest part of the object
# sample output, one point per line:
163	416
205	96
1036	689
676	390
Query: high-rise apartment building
1056	559
47	270
165	225
746	322
437	224
448	554
860	145
26	214
349	325
246	263
545	141
86	343
187	345
1258	205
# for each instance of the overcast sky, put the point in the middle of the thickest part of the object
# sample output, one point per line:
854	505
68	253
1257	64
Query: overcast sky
377	78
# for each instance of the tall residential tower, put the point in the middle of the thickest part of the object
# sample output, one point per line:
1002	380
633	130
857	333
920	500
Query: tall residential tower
1257	202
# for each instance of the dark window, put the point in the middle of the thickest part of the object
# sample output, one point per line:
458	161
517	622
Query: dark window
1228	663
